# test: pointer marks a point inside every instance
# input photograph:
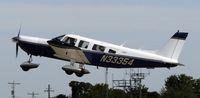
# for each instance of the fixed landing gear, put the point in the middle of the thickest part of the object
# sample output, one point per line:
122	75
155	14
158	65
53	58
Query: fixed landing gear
79	71
69	72
79	74
26	66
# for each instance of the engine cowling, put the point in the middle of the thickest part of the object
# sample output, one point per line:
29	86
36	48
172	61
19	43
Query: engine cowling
26	66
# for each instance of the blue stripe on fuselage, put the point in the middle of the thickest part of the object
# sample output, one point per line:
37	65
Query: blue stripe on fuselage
121	61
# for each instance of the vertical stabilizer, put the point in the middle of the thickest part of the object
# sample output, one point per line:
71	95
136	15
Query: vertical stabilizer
174	46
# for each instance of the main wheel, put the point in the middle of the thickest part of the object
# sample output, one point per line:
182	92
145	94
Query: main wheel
69	72
25	69
79	74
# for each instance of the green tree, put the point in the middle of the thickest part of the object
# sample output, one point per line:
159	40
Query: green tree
179	86
137	92
98	91
196	87
86	90
153	95
61	96
80	89
117	93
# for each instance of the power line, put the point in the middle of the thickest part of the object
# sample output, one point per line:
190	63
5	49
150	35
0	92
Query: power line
13	84
33	94
49	90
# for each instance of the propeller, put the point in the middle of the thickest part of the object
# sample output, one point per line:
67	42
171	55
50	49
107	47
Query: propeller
17	41
17	48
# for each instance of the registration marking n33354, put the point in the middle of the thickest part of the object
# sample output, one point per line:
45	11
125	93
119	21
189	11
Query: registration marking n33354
116	60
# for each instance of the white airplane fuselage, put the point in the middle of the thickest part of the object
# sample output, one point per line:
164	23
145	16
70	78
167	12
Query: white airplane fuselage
98	53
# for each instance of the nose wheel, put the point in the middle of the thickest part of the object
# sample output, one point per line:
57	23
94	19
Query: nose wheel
26	66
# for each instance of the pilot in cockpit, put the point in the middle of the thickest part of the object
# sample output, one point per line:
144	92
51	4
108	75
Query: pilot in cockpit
71	41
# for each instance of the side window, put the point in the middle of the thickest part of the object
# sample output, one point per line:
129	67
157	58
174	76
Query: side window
83	44
111	51
71	41
98	48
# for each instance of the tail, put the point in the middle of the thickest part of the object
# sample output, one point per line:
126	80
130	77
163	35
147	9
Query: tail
174	46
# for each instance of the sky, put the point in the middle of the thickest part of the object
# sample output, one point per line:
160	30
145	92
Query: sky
141	24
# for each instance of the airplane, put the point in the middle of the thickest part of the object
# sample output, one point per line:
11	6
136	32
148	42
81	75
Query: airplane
80	51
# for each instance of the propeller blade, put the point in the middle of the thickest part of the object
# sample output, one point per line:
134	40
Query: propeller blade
19	33
17	41
17	48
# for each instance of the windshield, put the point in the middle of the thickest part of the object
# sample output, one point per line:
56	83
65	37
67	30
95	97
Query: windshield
59	37
66	40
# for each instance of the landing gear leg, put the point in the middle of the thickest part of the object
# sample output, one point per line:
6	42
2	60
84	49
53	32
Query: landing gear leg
30	59
69	72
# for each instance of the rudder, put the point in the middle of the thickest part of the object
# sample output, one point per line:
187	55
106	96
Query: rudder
174	46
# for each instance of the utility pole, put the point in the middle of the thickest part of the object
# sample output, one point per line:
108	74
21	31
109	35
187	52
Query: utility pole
33	94
106	82
13	84
49	90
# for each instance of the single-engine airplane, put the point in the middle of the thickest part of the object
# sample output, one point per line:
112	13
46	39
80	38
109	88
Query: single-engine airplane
80	51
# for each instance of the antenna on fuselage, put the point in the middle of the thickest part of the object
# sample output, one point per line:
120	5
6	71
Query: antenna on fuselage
123	43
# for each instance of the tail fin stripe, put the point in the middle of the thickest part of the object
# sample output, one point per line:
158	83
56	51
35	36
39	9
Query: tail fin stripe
181	35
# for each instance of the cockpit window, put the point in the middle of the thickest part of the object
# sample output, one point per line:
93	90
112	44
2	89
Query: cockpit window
111	51
83	44
70	40
98	48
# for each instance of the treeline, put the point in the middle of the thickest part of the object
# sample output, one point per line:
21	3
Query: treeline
176	86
